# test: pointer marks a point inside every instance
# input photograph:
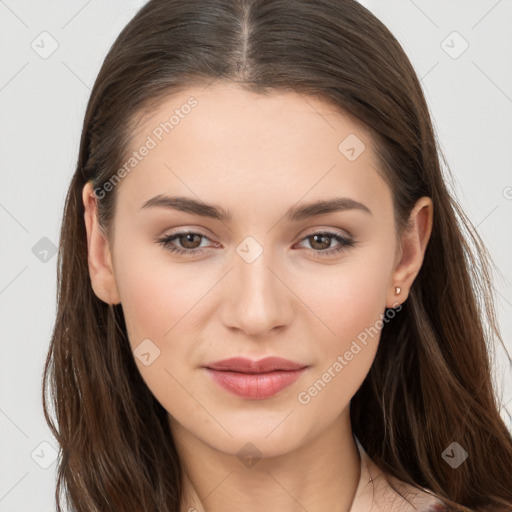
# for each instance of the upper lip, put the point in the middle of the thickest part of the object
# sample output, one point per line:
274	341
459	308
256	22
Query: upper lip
245	365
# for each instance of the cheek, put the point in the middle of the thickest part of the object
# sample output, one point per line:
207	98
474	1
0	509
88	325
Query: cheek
350	302
155	294
156	302
145	304
163	307
347	298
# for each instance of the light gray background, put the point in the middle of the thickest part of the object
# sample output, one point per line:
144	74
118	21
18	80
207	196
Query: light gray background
42	102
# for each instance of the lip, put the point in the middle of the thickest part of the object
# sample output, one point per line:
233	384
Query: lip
255	380
245	365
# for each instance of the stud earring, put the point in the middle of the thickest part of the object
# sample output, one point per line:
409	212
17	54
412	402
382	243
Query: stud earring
397	290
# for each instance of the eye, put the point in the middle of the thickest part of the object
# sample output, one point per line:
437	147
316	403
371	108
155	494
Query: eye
188	239
322	240
190	242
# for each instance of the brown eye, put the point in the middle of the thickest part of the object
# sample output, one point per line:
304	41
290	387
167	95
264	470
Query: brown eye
186	242
190	240
189	243
320	241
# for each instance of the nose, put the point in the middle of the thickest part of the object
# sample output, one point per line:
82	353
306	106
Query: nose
257	299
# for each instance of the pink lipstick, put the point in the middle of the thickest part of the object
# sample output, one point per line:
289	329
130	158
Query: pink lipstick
255	380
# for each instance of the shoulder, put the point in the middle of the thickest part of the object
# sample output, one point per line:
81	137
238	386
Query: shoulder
381	492
412	499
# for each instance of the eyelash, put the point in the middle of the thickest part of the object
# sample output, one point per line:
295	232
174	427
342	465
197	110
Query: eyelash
344	243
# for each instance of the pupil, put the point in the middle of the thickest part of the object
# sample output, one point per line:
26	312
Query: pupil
320	237
188	240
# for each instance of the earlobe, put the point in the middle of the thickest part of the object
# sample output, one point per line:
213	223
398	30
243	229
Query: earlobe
412	251
98	251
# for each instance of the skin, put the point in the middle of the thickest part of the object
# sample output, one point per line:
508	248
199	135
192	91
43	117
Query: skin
256	156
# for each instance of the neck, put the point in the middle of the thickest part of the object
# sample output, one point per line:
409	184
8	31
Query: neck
321	474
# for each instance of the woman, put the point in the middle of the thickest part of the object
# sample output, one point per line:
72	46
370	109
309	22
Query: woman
265	297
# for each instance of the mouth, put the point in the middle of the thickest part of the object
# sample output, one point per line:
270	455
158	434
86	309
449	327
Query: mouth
255	380
247	365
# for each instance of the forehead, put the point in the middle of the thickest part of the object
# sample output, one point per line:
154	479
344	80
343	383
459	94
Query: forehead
278	146
226	114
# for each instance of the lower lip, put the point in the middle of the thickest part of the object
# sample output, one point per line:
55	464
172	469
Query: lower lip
255	386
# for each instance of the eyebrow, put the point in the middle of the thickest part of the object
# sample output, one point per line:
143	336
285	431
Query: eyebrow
190	205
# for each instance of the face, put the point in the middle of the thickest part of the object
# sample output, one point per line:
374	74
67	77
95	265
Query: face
311	288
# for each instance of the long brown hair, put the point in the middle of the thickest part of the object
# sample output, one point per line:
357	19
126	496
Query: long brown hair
431	381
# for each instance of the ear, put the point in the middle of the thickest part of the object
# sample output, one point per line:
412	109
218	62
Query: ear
411	252
98	250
